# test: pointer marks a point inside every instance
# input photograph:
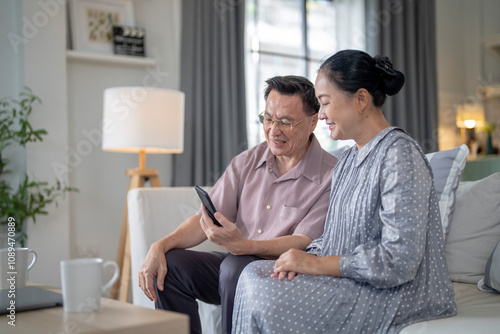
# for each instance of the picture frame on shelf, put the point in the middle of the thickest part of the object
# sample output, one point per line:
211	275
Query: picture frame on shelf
92	21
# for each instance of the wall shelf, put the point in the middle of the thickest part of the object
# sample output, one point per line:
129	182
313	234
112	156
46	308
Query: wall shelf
489	91
493	43
97	58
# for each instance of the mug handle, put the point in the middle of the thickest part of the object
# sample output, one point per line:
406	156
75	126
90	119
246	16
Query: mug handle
113	279
33	260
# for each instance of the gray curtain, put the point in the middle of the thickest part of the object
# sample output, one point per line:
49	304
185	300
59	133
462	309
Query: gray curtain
213	79
404	30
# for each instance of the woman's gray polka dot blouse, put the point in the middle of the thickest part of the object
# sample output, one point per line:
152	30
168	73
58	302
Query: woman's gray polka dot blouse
384	221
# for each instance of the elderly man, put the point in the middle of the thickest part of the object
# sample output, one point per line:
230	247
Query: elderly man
271	198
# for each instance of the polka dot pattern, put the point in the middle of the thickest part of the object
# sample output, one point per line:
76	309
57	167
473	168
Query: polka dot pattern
384	221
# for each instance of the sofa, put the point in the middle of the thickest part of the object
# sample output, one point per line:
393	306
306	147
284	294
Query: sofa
470	213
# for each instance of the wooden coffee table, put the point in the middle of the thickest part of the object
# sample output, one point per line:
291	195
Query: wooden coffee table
113	317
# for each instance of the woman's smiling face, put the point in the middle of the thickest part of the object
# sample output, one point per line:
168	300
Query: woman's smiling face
338	109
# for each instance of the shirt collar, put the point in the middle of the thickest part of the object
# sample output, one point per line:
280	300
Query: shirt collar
365	150
309	166
266	157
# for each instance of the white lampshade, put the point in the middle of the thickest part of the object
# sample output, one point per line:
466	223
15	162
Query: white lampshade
143	119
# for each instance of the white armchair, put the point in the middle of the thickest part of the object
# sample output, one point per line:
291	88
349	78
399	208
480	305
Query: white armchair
152	214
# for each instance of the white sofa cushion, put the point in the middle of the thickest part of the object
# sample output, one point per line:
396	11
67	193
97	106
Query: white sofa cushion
447	166
491	280
477	312
474	229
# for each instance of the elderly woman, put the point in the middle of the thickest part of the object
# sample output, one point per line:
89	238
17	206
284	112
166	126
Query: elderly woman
379	264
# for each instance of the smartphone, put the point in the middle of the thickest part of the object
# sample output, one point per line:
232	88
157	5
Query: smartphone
207	202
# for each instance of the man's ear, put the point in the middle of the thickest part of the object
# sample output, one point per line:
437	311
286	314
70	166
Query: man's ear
314	121
363	96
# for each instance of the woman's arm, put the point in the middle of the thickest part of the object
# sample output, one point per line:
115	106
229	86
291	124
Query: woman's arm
405	188
404	196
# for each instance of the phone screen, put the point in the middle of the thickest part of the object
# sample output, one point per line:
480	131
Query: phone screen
207	202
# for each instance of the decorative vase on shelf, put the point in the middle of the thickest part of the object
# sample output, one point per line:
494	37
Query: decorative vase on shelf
489	144
489	127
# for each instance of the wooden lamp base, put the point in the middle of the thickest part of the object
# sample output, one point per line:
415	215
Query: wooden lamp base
138	178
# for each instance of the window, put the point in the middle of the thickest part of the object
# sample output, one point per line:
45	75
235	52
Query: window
285	37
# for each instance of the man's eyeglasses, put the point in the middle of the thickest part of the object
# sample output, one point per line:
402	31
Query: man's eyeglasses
282	125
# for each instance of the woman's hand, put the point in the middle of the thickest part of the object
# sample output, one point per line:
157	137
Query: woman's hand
294	261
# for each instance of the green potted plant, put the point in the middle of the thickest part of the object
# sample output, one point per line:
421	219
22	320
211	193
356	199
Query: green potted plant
31	197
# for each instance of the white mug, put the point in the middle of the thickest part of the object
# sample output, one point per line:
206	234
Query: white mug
82	283
14	267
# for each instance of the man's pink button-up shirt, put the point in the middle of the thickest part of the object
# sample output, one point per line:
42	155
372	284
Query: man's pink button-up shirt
265	205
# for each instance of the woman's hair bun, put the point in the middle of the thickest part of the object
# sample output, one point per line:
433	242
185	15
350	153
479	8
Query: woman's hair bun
393	79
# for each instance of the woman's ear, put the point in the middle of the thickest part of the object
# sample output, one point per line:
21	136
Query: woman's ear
363	97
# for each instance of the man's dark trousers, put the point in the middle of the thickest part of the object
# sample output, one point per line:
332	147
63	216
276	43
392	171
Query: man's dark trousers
208	276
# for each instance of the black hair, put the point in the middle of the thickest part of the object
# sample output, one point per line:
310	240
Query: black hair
351	70
294	85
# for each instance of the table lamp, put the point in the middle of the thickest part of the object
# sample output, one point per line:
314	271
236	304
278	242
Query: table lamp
140	120
470	115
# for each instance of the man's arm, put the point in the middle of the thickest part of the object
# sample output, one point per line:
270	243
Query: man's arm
188	234
273	248
230	238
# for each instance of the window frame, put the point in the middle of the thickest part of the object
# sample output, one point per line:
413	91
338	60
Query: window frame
255	55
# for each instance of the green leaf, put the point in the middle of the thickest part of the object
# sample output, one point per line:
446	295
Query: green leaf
31	197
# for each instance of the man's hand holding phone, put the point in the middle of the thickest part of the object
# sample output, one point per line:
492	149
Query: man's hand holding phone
207	202
228	237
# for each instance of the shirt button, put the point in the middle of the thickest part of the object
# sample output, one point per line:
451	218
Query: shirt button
259	231
268	207
270	169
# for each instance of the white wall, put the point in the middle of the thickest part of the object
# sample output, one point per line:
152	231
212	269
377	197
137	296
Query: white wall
88	222
11	65
463	61
45	74
450	58
12	76
490	62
